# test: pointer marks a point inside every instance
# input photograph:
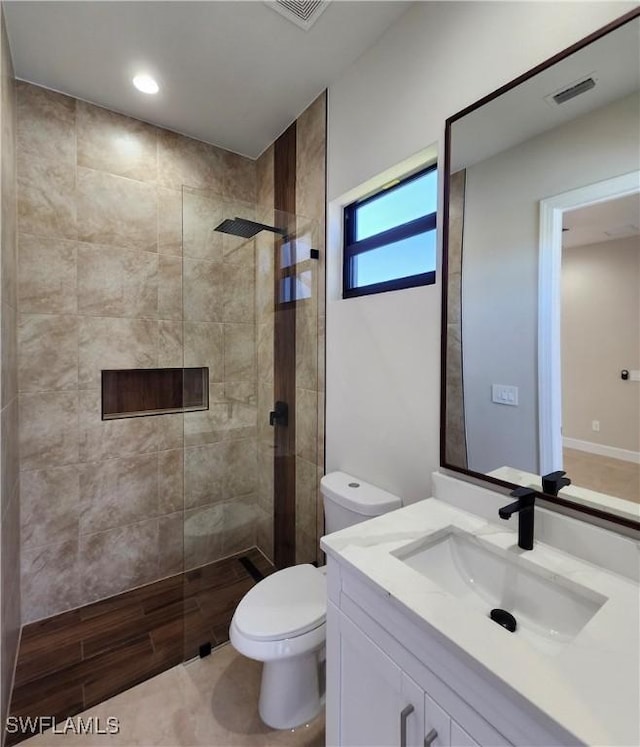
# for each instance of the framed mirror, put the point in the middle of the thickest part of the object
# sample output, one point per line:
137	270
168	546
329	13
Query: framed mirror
541	291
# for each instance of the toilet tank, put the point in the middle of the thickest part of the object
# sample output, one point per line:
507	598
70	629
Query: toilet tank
349	500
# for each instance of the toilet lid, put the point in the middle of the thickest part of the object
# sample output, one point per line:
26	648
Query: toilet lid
285	604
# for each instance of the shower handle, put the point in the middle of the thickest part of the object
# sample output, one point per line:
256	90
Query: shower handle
279	415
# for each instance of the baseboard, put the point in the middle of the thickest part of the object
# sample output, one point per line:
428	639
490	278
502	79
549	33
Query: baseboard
602	450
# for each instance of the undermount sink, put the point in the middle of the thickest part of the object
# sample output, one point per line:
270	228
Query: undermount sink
549	611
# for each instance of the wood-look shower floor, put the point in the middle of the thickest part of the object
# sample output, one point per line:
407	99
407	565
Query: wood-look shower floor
79	658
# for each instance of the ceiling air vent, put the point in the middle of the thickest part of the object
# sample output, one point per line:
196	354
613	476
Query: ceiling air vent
574	90
303	14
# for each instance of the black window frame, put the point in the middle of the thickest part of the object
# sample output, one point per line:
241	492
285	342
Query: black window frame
351	247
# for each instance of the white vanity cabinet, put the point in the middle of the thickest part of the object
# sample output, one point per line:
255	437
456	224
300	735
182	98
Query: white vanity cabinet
381	704
391	684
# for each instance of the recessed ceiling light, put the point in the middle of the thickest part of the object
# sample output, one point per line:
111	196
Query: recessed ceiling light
146	84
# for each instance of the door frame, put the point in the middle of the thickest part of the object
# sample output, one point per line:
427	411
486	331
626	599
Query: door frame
550	307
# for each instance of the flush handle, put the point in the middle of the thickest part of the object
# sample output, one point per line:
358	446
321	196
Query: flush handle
404	715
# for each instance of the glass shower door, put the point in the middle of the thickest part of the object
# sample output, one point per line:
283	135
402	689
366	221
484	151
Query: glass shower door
239	279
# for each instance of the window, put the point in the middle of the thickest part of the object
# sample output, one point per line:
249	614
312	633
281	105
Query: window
390	237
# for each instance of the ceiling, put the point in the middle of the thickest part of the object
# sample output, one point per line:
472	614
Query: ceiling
604	221
527	111
234	74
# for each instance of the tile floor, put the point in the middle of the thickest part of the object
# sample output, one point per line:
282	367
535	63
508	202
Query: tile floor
606	475
211	701
77	659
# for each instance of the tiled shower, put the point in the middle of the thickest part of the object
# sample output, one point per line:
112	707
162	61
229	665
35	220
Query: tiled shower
119	266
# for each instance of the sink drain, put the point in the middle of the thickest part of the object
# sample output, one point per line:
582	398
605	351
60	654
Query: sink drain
504	618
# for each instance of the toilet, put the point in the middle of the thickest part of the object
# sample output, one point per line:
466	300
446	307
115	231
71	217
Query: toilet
281	620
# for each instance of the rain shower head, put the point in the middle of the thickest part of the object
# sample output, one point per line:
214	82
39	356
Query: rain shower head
247	229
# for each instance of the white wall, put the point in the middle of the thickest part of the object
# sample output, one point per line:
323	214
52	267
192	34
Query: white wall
501	228
383	352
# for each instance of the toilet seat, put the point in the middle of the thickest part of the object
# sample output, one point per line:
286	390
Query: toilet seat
284	605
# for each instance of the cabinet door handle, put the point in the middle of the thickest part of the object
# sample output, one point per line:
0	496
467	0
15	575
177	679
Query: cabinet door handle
404	715
430	738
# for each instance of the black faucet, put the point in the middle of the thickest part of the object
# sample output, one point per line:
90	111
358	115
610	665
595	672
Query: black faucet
554	482
524	506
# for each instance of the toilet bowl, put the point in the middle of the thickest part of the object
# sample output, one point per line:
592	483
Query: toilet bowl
281	620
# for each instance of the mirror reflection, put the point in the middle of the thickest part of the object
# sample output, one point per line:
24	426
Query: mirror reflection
543	290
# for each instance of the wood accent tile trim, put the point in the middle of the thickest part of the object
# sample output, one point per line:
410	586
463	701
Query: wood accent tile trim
284	470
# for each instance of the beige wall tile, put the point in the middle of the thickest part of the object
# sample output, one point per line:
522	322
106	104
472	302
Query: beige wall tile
46	197
118	492
170	290
218	472
118	559
238	177
170	344
264	178
48	430
50	580
265	351
306	348
117	282
264	533
46	275
170	481
202	212
169	431
9	459
107	439
307	425
203	474
241	467
203	531
238	293
48	357
8	224
170	544
240	525
107	343
265	280
238	250
49	506
183	161
203	291
116	211
223	421
46	124
310	160
244	392
10	612
8	354
170	221
266	399
239	352
117	144
204	346
306	511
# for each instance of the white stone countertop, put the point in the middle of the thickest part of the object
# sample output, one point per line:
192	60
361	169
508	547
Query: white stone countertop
590	687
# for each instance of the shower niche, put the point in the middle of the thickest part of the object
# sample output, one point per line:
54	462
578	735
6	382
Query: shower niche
131	393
